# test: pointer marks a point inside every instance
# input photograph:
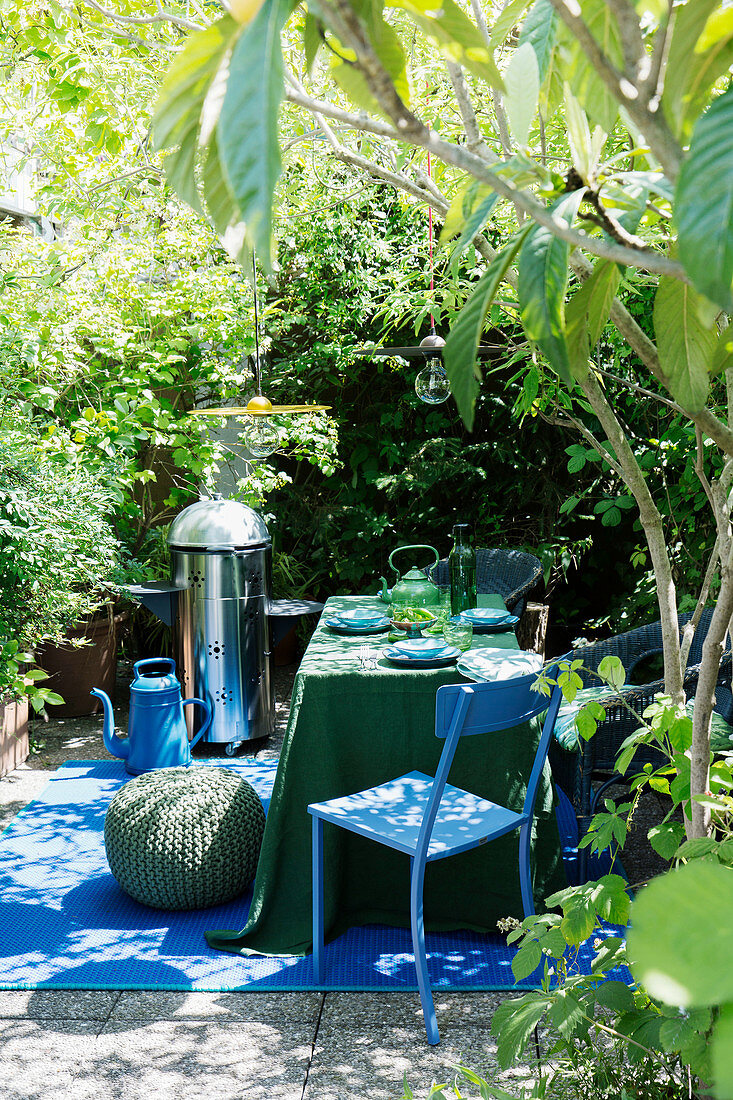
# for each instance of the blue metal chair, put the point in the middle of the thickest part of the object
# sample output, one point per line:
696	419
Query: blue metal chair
428	819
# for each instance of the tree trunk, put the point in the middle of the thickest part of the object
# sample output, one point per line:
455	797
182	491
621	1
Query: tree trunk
651	522
532	627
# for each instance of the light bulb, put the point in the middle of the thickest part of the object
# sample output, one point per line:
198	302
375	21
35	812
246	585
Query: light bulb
432	385
260	437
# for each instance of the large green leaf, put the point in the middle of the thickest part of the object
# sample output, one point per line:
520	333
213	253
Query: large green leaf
539	30
685	344
704	204
543	279
352	81
681	931
248	137
506	19
179	166
221	206
586	314
459	354
723	1053
449	27
723	354
386	43
468	213
522	83
686	70
513	1023
599	103
187	82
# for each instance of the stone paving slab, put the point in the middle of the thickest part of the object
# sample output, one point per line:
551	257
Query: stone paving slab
366	1011
279	1009
40	1060
57	1004
371	1064
196	1060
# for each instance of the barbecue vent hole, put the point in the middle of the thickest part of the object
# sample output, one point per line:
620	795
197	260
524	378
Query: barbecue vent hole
224	696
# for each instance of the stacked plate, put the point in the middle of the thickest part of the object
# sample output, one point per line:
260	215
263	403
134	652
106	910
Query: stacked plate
421	653
489	620
498	664
358	622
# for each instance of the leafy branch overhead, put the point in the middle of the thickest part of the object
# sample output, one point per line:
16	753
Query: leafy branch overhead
218	111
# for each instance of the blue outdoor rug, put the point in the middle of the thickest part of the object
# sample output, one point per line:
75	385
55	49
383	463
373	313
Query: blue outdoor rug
67	924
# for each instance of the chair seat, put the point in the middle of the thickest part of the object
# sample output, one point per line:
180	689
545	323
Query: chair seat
392	813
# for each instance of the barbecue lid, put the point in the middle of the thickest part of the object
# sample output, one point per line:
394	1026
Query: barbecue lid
218	524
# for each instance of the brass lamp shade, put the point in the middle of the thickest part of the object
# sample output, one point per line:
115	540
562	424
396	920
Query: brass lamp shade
261	406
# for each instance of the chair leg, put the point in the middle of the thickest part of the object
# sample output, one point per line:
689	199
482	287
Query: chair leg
525	872
318	945
417	876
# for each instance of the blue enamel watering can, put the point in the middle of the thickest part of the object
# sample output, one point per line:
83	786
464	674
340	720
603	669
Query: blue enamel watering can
157	736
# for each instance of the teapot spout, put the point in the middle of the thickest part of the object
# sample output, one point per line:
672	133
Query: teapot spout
112	743
385	593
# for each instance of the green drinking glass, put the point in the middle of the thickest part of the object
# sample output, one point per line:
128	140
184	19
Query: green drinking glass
458	633
443	610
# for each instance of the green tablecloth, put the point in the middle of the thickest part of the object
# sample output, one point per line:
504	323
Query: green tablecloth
349	730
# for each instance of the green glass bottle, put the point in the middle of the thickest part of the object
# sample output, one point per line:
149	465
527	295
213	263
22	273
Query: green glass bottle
462	570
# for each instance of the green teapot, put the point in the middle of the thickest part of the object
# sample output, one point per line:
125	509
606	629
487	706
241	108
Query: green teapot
414	589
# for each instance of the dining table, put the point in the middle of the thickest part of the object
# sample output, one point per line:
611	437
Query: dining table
350	729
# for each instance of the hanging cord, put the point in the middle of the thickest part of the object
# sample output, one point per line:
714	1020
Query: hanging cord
258	372
430	227
430	247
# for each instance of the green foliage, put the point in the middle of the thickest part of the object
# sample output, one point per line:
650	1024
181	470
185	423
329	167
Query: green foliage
704	190
465	334
681	931
543	273
685	342
58	554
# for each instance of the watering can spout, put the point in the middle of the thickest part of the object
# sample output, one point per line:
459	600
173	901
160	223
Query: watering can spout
112	743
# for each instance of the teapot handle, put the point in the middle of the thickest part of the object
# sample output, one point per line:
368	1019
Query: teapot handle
149	662
419	546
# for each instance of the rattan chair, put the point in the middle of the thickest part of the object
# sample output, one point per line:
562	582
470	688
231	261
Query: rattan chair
510	573
575	771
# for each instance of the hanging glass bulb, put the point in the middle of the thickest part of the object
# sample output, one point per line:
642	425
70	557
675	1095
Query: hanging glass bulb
260	436
432	385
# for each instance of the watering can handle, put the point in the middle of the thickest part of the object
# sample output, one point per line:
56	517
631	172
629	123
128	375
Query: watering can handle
207	723
420	546
150	661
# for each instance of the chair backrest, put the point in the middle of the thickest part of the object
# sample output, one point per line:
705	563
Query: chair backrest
501	571
464	710
634	645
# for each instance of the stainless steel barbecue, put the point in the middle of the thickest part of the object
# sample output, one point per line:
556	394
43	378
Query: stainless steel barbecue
221	566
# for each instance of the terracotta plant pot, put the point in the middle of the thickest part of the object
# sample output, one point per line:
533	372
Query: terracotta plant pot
73	671
14	746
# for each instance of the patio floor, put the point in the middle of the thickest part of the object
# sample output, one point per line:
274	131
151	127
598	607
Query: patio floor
88	1045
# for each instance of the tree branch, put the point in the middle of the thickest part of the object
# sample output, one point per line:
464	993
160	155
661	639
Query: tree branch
636	59
651	122
474	140
161	16
407	127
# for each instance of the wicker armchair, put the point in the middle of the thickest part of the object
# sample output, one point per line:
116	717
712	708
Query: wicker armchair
510	573
575	771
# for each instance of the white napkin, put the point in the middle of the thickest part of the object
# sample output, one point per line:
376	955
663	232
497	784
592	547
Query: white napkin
498	664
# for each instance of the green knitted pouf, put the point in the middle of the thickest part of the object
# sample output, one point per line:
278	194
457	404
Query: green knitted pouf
184	838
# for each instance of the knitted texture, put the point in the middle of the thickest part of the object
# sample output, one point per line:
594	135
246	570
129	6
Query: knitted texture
184	838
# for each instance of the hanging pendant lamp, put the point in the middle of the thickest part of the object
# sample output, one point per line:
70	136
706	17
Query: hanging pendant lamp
259	435
432	385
